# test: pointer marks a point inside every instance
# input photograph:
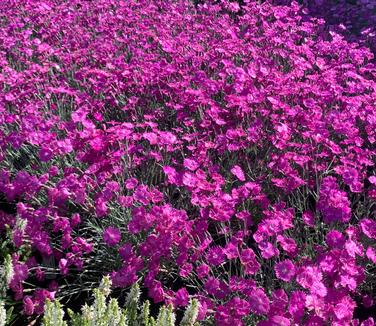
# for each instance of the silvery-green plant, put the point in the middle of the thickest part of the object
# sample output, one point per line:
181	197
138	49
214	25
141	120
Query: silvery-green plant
6	274
106	312
3	314
191	314
53	315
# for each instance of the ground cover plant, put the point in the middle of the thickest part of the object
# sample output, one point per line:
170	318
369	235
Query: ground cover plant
214	151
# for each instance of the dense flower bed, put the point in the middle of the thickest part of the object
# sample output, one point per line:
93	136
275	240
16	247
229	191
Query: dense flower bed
356	20
219	152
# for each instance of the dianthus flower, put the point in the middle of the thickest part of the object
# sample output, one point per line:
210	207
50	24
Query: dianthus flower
259	302
215	256
368	227
238	172
285	270
111	236
333	202
181	297
335	239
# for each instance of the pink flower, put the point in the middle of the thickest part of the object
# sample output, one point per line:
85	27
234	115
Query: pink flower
368	322
371	254
45	154
202	271
333	202
344	309
185	270
181	297
202	308
142	195
215	256
297	305
309	218
63	266
308	275
335	239
354	248
368	227
131	183
288	244
259	302
156	292
268	250
151	137
101	208
249	261
212	286
111	236
216	288
231	251
190	179
240	307
279	302
238	172
372	179
75	220
285	270
351	178
191	164
28	306
125	251
318	288
125	201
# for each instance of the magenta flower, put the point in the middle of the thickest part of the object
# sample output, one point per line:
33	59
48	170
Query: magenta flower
126	251
368	227
75	220
285	270
319	289
45	154
215	256
181	297
202	271
335	239
63	266
259	302
288	244
156	292
231	250
101	208
28	305
371	254
308	275
249	261
297	304
191	164
344	309
268	250
309	218
351	178
185	270
238	172
131	183
142	194
239	307
111	236
333	203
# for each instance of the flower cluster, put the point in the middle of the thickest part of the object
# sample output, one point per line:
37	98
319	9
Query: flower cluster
216	151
